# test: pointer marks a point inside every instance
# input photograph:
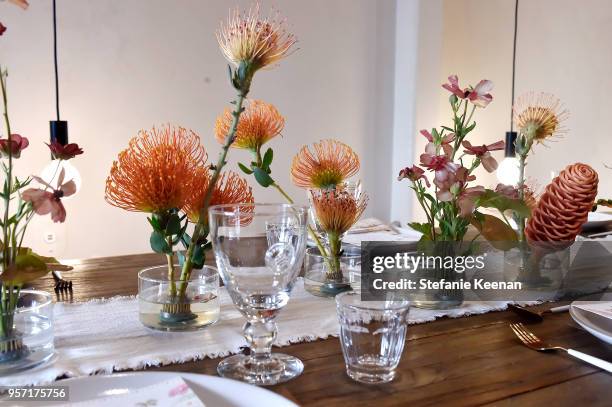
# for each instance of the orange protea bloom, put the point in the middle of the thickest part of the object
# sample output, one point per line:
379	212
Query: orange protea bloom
540	116
154	173
331	163
257	41
259	123
337	210
230	188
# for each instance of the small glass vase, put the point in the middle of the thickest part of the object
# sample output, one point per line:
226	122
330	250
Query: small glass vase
194	309
435	271
26	334
320	282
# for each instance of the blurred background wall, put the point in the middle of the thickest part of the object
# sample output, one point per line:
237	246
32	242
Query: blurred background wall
367	73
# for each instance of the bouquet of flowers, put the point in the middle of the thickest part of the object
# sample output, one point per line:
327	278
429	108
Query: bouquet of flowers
165	173
452	159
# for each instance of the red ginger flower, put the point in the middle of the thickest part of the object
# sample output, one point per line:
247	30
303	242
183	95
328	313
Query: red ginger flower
16	145
64	152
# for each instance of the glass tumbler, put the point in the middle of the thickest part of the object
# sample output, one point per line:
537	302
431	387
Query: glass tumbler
372	335
259	249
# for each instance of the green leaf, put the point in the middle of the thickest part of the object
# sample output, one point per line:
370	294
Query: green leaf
154	222
197	258
267	158
159	244
173	227
424	228
262	177
245	169
28	267
491	199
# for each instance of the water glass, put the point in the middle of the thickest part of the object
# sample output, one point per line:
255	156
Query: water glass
372	335
259	249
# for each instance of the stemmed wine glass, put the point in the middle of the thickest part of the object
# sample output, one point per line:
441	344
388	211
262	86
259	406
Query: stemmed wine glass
259	249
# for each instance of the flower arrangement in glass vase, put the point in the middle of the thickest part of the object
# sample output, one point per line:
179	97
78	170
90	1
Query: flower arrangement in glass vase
23	198
164	172
456	202
323	170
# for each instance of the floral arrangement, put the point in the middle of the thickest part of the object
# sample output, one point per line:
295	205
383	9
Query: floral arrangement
165	173
22	201
452	159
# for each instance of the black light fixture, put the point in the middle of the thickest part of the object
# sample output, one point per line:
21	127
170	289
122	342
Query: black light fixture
59	128
508	170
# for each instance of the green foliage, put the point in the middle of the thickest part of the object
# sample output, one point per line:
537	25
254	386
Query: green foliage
159	244
497	232
245	169
263	178
491	199
28	266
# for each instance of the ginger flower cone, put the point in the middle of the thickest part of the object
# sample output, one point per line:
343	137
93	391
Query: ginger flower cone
563	207
153	174
326	167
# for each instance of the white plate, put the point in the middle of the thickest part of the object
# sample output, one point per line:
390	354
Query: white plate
595	324
213	391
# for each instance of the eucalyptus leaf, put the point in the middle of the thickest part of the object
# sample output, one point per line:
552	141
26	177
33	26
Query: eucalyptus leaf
245	169
159	244
173	227
262	177
267	158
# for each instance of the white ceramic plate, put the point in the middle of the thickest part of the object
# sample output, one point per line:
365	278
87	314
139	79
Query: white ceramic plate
213	391
595	324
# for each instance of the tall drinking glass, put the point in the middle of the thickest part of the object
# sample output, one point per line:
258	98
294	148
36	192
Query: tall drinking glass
259	249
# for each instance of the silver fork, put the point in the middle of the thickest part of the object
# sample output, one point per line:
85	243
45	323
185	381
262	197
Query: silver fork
535	343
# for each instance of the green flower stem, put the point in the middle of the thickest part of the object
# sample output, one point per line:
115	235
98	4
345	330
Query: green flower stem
170	260
201	228
335	247
7	256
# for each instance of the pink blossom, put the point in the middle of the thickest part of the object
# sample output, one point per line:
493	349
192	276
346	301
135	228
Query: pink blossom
441	164
480	95
2	28
508	191
45	201
444	142
453	87
467	200
64	152
453	185
15	147
414	174
483	153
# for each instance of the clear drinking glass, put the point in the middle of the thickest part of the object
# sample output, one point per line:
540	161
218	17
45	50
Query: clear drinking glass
259	249
372	335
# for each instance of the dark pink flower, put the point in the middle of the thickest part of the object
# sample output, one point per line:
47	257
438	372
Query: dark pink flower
2	28
443	167
45	201
453	87
444	142
467	199
480	95
414	174
508	191
454	184
483	152
15	147
64	152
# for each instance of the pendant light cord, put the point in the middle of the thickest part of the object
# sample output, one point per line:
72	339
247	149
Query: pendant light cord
513	60
57	109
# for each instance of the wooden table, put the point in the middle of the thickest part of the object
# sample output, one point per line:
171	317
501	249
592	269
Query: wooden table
474	360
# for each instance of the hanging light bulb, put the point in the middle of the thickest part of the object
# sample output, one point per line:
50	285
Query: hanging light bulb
508	171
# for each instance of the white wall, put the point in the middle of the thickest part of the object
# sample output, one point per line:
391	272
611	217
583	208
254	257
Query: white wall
127	65
563	48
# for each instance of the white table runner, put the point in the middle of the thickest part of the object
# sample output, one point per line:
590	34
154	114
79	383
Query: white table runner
102	336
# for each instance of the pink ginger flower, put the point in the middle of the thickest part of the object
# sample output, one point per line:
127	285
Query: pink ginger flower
483	153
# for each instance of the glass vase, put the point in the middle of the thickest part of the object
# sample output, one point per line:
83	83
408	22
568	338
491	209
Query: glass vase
26	331
187	305
321	280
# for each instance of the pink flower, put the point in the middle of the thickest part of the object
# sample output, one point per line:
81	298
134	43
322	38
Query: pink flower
414	174
483	153
15	147
508	191
467	199
64	152
45	202
480	95
445	141
453	87
2	28
440	164
453	185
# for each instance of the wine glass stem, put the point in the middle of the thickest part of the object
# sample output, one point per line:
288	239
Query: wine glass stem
260	335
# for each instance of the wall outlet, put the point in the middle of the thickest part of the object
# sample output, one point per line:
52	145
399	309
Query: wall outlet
49	237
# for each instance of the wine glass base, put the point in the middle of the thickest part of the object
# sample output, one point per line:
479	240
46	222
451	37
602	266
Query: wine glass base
280	368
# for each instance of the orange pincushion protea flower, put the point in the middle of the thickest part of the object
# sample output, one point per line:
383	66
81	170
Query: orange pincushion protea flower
259	123
154	173
337	210
254	40
230	188
331	163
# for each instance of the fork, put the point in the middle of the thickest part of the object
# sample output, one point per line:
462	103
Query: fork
60	283
535	343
